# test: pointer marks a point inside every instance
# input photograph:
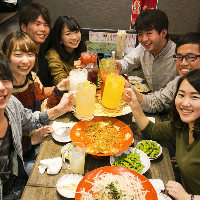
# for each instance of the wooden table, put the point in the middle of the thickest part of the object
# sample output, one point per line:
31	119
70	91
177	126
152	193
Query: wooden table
43	186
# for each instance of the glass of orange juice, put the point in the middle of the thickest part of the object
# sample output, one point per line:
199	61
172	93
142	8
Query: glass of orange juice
113	90
85	100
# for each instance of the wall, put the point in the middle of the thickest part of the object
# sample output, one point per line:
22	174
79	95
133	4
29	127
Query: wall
184	15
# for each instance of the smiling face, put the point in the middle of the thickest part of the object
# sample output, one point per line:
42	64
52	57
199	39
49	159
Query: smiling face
21	63
5	93
152	41
37	30
184	66
70	39
187	103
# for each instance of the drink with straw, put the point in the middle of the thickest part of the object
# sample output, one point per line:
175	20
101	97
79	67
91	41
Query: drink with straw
85	100
113	90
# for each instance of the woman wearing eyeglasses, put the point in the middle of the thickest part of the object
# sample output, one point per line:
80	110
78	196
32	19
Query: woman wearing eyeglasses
187	58
66	47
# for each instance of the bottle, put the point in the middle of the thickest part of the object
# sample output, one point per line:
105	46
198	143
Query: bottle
113	54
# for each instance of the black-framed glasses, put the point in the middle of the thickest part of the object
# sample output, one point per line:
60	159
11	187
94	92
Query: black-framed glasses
189	57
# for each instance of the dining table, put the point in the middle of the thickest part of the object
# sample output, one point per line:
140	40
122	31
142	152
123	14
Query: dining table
43	186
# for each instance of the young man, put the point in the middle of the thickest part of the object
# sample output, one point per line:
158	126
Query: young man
155	51
34	20
187	58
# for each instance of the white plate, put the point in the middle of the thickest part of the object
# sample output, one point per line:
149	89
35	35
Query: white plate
67	185
61	138
135	79
162	196
143	157
152	158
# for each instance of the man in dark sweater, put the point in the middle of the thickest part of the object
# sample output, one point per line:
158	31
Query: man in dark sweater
35	21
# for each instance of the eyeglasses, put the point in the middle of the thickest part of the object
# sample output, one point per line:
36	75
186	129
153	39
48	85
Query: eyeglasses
189	57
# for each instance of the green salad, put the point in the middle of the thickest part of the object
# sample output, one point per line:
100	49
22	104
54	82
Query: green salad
131	160
151	148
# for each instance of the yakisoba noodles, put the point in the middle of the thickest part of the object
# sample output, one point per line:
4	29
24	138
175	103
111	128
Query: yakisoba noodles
104	137
109	187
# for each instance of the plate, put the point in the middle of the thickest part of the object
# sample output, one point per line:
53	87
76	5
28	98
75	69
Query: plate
67	185
86	182
123	109
61	138
143	157
119	138
151	158
135	79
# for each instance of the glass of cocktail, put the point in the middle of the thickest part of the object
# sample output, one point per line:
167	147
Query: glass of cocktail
113	89
85	100
77	76
77	157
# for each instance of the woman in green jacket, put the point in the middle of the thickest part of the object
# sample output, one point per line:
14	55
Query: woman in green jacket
184	126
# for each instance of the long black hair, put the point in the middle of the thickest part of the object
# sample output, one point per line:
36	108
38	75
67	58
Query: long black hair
55	39
193	77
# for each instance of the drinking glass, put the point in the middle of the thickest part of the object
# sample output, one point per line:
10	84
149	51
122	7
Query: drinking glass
85	100
113	90
77	157
77	76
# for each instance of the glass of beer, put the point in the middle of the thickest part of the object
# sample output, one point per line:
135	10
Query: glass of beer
113	89
85	101
77	76
77	157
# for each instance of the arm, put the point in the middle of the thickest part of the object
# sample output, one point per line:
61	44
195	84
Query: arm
59	69
159	100
132	60
177	191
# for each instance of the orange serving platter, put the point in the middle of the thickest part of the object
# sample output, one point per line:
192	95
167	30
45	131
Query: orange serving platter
115	170
77	134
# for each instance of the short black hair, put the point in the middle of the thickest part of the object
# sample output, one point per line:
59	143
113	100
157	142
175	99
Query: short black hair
152	19
193	77
188	38
5	69
55	37
31	12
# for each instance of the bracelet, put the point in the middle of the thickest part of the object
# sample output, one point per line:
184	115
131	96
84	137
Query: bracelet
192	196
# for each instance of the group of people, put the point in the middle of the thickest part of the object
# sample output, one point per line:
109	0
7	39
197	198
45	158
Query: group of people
35	65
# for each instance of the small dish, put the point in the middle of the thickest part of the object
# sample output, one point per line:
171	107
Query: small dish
143	157
162	196
149	148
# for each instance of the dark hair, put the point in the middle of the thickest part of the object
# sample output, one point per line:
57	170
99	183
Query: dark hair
152	19
55	37
31	12
5	69
189	38
193	77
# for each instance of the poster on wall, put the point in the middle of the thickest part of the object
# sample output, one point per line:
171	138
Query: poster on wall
140	6
109	40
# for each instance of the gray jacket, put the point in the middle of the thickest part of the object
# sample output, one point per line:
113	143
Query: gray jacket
22	119
160	100
158	70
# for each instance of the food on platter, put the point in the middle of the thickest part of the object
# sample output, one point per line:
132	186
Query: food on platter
67	185
109	186
150	147
123	109
142	87
135	79
102	136
132	158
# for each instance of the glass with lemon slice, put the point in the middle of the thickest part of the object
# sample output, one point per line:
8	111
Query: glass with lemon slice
85	100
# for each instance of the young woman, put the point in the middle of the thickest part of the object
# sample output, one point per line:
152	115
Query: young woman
184	127
21	52
66	47
14	119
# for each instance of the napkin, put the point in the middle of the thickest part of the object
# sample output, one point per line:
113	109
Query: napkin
52	165
157	184
62	129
